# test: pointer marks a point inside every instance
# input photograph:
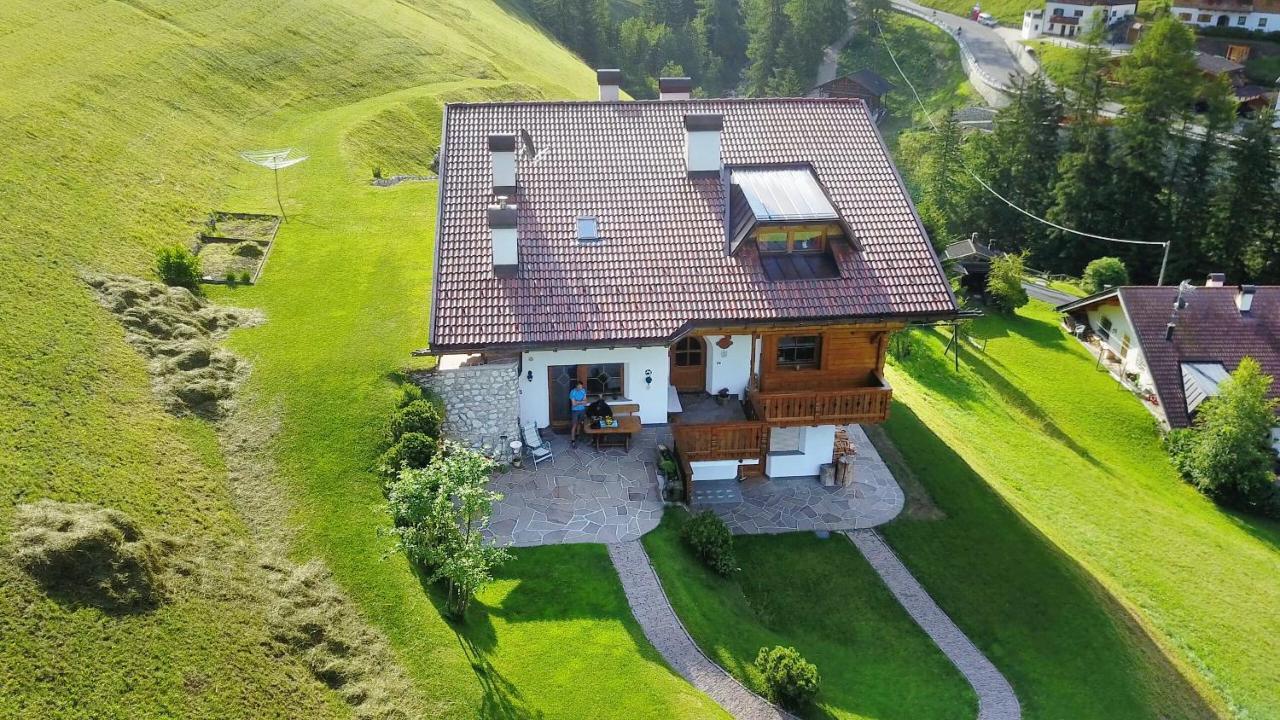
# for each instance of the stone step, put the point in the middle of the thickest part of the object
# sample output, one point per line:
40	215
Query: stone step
715	492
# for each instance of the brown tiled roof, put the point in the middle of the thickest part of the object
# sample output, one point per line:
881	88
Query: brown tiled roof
1209	329
661	265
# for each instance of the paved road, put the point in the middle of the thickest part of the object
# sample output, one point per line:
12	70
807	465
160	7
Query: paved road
987	45
1053	297
831	57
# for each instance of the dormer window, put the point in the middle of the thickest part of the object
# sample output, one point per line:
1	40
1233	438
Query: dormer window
804	238
588	228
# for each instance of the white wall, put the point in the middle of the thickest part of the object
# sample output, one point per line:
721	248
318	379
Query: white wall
1032	24
728	367
717	469
652	398
1086	14
816	446
1133	362
1252	21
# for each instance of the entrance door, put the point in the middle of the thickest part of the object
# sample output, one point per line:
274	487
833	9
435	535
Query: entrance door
689	364
560	380
602	380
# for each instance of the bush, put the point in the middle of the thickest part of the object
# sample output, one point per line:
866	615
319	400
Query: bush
1228	456
419	416
1004	283
1103	273
178	266
414	450
792	680
246	277
710	539
232	279
409	392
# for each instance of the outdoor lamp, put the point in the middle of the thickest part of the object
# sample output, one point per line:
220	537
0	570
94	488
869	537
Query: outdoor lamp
529	376
648	378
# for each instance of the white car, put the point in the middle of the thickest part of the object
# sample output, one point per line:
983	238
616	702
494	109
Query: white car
987	19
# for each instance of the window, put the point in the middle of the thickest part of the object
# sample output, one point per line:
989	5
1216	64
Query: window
1057	12
1240	20
799	351
797	239
1124	347
588	228
604	379
1079	13
1104	328
1204	17
688	352
1184	17
1262	22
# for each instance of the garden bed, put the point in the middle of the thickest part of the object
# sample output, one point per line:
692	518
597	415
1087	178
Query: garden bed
234	246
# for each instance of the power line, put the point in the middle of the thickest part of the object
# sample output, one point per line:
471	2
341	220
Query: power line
1006	201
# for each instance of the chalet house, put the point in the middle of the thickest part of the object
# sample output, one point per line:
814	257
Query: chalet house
756	249
1068	18
1262	15
1180	356
865	84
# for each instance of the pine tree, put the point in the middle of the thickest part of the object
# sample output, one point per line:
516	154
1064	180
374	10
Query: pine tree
1024	154
1244	229
768	29
718	31
944	182
1192	187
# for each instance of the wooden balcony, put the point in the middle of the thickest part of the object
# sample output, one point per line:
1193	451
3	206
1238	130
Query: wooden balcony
844	406
722	441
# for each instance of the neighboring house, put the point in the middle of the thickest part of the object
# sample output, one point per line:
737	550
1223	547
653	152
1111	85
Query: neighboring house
1251	98
1182	357
971	260
763	247
1068	18
864	84
1261	15
977	117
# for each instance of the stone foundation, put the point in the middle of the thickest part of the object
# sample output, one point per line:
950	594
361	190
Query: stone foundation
482	402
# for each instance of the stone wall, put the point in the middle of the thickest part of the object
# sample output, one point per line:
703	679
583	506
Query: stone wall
482	402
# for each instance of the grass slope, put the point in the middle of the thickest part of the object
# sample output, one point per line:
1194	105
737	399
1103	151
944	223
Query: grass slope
121	123
1032	430
1008	12
823	598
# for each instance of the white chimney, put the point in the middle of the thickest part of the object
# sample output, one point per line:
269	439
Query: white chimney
675	88
502	151
1216	280
1244	298
702	143
609	80
506	242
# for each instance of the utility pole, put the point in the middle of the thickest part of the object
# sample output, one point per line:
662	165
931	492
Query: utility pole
1163	263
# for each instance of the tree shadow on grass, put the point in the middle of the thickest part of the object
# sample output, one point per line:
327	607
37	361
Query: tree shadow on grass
1264	529
1043	619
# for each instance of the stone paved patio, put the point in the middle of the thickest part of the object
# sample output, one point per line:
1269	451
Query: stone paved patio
581	495
778	505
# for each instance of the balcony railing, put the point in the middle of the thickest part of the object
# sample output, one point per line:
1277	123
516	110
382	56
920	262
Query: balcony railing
721	441
822	407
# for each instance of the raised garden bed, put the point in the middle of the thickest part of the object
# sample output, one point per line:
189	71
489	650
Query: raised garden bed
234	246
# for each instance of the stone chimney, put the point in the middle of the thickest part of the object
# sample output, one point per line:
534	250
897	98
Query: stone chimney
702	144
1244	298
610	82
675	88
505	238
1216	280
502	152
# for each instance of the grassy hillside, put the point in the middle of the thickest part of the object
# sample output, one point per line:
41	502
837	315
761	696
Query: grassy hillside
1078	459
121	123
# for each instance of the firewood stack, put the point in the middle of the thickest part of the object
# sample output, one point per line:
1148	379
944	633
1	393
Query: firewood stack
843	457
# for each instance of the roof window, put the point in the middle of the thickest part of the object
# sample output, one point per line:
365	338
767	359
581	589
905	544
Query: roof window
588	228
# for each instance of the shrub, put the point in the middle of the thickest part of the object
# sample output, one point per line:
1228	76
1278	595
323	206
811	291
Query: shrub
1228	455
710	539
246	277
792	680
414	450
377	172
1103	273
89	555
232	279
1004	282
419	416
178	266
410	392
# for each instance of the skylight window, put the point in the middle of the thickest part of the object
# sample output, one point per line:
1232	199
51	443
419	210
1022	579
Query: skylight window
588	228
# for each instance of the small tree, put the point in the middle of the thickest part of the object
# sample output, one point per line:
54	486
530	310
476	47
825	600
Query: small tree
1103	273
439	513
418	416
1004	282
1228	455
178	266
792	680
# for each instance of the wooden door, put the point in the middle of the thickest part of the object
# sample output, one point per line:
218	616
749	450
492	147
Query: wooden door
689	364
560	379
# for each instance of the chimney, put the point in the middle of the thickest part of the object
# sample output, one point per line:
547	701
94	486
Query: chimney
675	88
609	80
506	244
1244	298
1216	280
502	151
702	143
1168	332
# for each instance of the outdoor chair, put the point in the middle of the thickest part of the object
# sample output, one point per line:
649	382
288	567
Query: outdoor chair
533	441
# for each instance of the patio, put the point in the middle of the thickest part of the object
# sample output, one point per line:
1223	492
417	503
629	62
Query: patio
612	495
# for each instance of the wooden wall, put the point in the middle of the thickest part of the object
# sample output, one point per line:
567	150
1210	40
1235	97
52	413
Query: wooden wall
850	357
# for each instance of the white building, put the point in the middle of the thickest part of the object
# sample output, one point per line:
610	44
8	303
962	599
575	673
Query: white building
1069	18
1261	15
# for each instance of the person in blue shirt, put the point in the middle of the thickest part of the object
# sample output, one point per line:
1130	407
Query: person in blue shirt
577	409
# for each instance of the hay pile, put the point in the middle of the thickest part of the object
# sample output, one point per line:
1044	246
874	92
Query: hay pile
90	555
176	331
312	619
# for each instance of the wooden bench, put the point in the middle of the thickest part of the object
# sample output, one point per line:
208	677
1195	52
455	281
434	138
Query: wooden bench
628	424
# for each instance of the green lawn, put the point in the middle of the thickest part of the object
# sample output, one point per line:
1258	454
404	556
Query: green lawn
121	123
1072	553
823	598
1008	12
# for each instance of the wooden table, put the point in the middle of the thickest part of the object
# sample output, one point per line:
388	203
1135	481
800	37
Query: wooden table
628	425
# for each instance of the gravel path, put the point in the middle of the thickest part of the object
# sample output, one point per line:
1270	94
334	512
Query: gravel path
653	611
996	700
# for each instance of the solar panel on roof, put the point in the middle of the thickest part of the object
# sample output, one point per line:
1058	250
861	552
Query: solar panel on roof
784	194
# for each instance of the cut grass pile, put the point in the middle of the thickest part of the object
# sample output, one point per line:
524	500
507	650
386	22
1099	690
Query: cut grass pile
1183	599
227	225
220	259
822	597
123	122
